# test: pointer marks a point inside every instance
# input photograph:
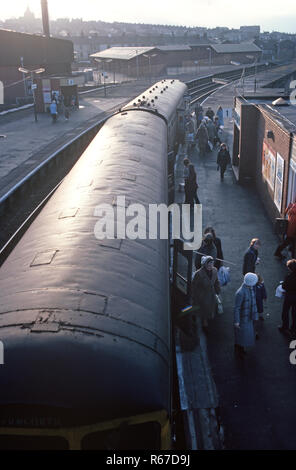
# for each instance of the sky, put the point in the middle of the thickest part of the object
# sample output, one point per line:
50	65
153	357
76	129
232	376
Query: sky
272	15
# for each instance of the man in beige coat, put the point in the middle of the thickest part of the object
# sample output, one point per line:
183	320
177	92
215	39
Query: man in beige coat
205	286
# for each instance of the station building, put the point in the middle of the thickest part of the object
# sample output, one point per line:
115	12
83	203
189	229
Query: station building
31	52
144	61
264	149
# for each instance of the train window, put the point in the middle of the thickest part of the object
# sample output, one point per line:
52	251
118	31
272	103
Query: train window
8	442
137	437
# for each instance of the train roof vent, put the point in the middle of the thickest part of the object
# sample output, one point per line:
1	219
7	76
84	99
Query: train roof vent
46	327
134	158
116	202
69	212
128	176
45	257
113	243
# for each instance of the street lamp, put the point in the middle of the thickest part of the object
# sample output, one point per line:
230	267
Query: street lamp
149	60
32	72
104	74
210	57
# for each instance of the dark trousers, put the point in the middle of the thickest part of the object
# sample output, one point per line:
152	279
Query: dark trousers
289	302
191	198
288	241
222	171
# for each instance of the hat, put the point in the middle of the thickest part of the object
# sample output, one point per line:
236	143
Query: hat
206	260
250	279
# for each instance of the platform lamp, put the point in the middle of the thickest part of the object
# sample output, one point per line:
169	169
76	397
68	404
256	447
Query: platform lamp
32	73
210	57
103	73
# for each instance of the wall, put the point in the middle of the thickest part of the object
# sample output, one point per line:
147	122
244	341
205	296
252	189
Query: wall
280	143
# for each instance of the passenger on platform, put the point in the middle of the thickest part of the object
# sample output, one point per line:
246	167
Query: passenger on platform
245	314
186	163
66	113
261	296
205	286
223	159
198	114
289	285
191	187
217	131
208	248
210	113
211	131
251	256
220	116
202	139
53	111
218	244
290	237
54	97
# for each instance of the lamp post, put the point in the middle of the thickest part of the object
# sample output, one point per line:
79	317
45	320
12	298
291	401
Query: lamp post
196	62
137	64
103	73
32	72
210	57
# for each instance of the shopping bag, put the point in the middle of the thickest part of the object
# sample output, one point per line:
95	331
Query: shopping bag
280	292
223	275
219	305
210	145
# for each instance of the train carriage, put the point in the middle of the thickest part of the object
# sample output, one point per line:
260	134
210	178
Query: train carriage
85	322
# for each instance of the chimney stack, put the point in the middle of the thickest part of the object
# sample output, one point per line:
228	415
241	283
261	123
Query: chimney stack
45	18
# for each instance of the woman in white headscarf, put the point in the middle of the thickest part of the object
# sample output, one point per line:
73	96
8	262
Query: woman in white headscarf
245	313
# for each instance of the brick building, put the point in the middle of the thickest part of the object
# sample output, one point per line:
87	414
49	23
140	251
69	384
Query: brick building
264	150
32	52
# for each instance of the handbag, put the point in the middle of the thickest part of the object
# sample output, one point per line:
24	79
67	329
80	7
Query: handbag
219	305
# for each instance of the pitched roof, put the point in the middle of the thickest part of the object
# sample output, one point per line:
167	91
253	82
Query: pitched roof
123	53
174	48
232	48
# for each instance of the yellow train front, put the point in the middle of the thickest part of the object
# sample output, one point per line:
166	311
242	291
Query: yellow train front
85	322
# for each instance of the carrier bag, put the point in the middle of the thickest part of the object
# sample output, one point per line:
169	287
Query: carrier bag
223	275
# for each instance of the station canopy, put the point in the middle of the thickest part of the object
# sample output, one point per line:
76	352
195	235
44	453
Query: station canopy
122	53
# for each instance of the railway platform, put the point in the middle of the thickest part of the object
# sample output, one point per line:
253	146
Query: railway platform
26	143
256	394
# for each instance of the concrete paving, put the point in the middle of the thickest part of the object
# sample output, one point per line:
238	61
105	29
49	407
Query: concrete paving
257	393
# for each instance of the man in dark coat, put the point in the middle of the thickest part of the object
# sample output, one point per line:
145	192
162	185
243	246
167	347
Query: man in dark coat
210	113
202	138
289	285
251	256
223	159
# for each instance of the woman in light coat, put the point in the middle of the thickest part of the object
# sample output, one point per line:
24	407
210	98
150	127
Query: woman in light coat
245	313
205	286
